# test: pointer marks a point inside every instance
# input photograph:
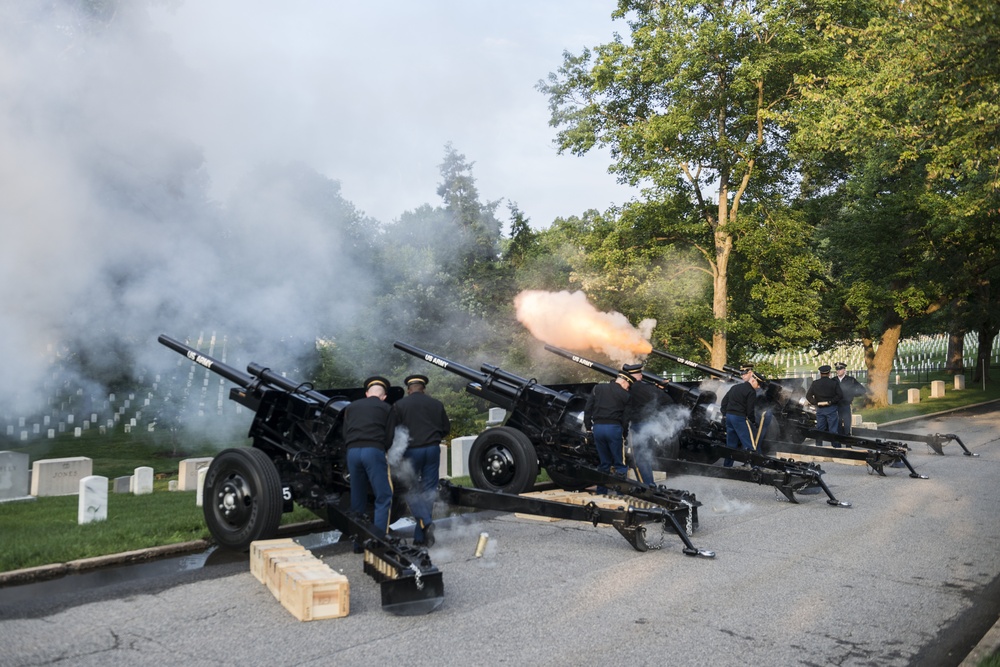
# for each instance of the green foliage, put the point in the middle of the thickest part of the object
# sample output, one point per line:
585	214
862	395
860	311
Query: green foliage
690	108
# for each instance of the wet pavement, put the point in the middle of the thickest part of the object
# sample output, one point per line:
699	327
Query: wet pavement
908	576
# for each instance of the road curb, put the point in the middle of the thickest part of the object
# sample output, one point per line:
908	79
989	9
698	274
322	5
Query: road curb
987	646
931	415
54	570
42	572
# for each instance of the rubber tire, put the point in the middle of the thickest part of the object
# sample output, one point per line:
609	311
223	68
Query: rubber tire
248	479
503	459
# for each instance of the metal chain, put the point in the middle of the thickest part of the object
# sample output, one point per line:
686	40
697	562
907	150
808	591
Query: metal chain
689	526
416	575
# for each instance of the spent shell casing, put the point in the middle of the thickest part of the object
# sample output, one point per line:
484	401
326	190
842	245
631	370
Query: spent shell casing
481	545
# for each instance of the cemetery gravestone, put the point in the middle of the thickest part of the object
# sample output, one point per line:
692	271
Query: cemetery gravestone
187	473
59	477
93	505
460	448
142	480
14	476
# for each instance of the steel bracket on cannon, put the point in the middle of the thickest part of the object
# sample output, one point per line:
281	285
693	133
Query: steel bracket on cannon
934	440
628	519
875	453
409	583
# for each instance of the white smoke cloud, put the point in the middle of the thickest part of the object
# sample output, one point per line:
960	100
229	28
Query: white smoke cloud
110	236
661	427
569	320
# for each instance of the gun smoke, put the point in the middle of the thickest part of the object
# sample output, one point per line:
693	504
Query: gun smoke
567	319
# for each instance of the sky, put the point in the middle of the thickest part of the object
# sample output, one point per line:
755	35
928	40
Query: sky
131	197
370	93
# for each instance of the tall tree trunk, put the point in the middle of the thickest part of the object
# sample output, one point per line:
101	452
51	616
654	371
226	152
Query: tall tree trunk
882	366
984	353
720	279
868	346
955	359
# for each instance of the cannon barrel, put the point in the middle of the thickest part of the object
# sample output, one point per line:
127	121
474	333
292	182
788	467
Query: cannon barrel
519	382
677	392
729	373
214	365
255	377
596	365
469	374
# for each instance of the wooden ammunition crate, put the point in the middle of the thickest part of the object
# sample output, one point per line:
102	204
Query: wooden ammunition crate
281	561
261	551
315	593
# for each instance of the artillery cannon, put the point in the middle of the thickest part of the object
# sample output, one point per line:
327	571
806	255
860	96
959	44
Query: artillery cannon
298	457
702	442
796	420
545	428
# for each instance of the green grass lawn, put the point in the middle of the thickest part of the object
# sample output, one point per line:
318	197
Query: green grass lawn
45	530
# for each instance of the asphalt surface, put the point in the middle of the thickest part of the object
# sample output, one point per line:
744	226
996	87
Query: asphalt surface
910	575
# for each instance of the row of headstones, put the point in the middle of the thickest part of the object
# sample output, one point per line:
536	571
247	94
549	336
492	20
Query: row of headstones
73	475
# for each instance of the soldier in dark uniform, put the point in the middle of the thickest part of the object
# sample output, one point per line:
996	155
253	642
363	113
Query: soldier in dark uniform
367	437
606	413
427	424
739	408
851	389
647	399
826	395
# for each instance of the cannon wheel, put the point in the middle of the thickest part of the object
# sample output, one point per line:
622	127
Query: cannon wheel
242	498
503	459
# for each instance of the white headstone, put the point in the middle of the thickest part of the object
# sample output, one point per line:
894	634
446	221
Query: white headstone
142	480
443	465
187	473
123	484
59	477
460	455
959	382
198	497
14	467
172	485
856	420
93	504
497	415
912	395
937	389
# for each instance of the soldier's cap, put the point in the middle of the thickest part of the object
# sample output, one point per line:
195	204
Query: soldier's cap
840	365
416	378
824	369
625	376
632	368
746	368
376	379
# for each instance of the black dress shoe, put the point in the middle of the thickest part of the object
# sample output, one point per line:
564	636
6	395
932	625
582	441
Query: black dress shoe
429	535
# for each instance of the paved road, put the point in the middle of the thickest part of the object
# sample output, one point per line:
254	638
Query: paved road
908	576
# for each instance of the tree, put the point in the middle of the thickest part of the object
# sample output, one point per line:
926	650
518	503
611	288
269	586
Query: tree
908	125
688	107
